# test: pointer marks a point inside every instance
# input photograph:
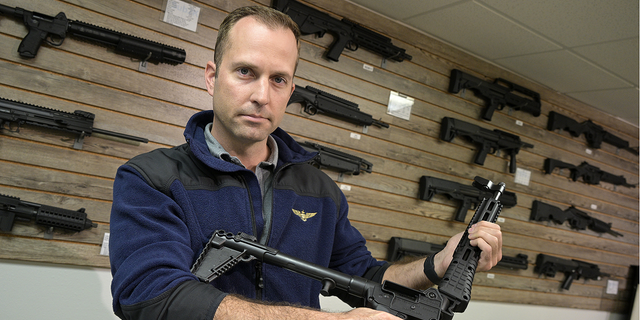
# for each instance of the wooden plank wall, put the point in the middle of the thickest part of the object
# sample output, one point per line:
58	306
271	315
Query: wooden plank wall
41	166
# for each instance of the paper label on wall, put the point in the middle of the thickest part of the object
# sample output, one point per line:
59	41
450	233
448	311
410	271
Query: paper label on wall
522	176
104	250
612	287
399	105
181	14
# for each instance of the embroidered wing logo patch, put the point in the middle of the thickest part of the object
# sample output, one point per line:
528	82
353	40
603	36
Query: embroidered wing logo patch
303	215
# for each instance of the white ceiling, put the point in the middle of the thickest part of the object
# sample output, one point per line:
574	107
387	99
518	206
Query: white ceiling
586	49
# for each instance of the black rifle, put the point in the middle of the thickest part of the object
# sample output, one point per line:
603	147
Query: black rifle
590	174
579	220
12	208
314	101
495	94
404	247
225	250
46	28
469	195
338	160
573	269
594	133
346	34
78	122
490	141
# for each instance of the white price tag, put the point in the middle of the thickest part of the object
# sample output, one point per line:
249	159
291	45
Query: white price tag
522	176
104	250
181	14
345	187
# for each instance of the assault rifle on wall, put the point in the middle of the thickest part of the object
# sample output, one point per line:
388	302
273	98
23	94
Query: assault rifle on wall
78	122
12	208
225	250
496	95
590	174
317	101
53	30
468	195
346	34
594	133
337	160
489	141
579	220
573	269
404	247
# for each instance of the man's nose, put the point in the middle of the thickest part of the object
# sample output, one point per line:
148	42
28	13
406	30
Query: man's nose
261	93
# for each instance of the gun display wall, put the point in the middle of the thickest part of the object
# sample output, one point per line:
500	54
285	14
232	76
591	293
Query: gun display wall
40	164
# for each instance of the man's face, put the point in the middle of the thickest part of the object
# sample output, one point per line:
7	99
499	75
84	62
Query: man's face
252	86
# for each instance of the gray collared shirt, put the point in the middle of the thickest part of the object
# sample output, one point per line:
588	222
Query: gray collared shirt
264	173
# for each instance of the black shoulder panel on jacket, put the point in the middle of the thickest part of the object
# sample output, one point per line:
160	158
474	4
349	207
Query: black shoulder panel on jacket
161	167
307	180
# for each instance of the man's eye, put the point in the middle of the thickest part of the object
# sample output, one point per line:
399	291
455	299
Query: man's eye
244	71
280	80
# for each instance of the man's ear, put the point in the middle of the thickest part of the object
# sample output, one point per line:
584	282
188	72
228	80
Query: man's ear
210	76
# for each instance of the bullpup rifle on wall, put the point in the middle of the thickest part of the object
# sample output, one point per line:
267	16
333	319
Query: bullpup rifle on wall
495	94
78	122
578	220
12	208
468	195
53	30
346	34
337	160
573	269
317	101
594	133
488	140
225	250
589	174
404	247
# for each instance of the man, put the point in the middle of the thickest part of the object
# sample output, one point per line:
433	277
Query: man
239	172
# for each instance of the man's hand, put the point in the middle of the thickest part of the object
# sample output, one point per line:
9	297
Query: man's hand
486	236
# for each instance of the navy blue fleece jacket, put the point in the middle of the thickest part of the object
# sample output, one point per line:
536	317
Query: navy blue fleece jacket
168	202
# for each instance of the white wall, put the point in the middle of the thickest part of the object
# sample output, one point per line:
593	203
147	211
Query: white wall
45	291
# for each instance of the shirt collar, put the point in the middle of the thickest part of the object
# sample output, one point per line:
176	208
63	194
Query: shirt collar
216	149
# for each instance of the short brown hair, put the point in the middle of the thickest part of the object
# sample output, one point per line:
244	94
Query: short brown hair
268	16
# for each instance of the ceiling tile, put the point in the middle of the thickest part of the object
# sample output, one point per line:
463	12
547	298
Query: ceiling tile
619	57
402	9
622	103
481	31
563	71
574	22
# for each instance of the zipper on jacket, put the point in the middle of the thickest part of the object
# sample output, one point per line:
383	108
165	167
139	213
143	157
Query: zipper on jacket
254	227
273	205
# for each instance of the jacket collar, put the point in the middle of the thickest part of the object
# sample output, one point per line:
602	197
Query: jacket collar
289	151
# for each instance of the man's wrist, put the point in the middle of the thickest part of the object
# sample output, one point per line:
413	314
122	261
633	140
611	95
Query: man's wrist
430	270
